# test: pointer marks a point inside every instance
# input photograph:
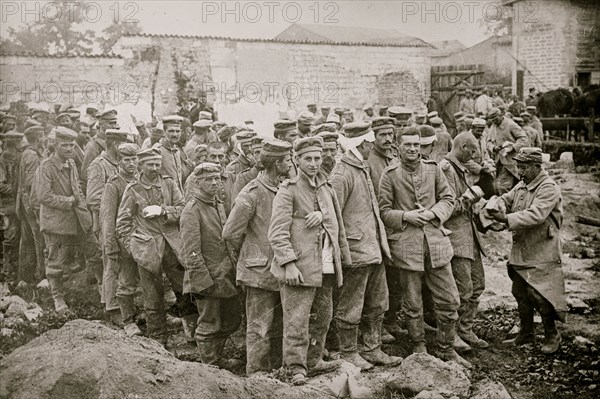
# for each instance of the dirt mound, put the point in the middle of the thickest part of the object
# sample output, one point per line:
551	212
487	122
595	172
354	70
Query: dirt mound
88	360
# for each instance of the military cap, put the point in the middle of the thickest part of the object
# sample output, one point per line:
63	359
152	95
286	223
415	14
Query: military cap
329	137
518	120
226	132
108	115
64	134
37	111
382	123
470	116
283	126
75	113
276	147
306	118
436	121
338	110
128	149
525	114
311	105
139	124
461	119
357	132
203	124
205	115
257	142
326	107
531	108
502	107
31	122
420	116
216	125
149	154
91	106
9	117
13	135
333	118
35	129
479	122
116	135
384	108
428	135
171	120
249	122
207	170
325	127
397	111
307	144
529	155
458	115
200	149
367	107
245	137
63	115
432	114
492	113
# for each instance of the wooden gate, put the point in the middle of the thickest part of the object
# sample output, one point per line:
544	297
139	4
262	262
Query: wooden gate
449	79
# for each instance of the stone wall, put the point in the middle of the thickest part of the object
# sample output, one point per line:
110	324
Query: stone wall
554	42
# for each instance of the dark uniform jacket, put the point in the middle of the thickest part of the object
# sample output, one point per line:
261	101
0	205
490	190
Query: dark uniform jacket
99	172
174	162
93	149
208	262
109	209
378	161
402	187
246	230
30	161
242	179
145	239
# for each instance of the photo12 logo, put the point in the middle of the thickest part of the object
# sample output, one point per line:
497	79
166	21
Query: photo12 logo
70	92
269	11
469	11
72	11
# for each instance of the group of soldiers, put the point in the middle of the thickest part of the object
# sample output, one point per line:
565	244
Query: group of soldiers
335	234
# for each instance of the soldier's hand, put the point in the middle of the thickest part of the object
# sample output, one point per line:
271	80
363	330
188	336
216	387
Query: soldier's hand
72	201
152	211
293	276
416	217
313	219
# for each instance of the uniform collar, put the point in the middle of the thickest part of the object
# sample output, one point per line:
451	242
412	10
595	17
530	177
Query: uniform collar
456	162
207	199
148	185
110	158
538	179
382	153
320	179
262	178
165	143
352	158
54	158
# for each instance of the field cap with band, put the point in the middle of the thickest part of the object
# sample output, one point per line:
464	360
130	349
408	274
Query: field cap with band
382	123
64	134
276	147
245	137
202	124
333	118
128	149
207	170
357	132
117	135
284	126
149	154
308	144
306	118
479	122
529	155
437	121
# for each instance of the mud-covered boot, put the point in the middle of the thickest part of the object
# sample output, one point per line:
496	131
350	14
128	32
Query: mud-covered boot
349	347
416	333
56	287
464	327
189	324
552	337
208	351
445	340
372	345
526	329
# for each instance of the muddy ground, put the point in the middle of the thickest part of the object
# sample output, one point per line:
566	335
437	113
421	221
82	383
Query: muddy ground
526	372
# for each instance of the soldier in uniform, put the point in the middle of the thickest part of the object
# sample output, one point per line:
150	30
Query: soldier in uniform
148	228
363	298
100	171
8	194
244	160
305	121
505	139
534	216
209	271
308	239
443	144
382	155
246	231
174	162
330	150
64	218
119	262
467	267
324	113
250	174
32	266
202	135
535	137
415	200
535	121
285	130
106	120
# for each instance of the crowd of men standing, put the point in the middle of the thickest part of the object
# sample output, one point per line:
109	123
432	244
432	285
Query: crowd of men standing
360	229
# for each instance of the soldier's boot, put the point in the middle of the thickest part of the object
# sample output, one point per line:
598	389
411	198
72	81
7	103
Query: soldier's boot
526	329
208	351
372	341
460	345
57	290
189	324
416	334
349	347
552	337
445	340
127	306
465	327
226	363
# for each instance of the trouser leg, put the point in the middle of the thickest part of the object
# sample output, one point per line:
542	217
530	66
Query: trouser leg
93	258
505	181
461	270
27	254
321	314
261	311
412	304
218	318
524	304
350	307
10	245
174	273
127	283
110	280
296	304
156	317
395	290
375	305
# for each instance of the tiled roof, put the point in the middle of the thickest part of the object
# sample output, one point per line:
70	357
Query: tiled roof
420	43
48	55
